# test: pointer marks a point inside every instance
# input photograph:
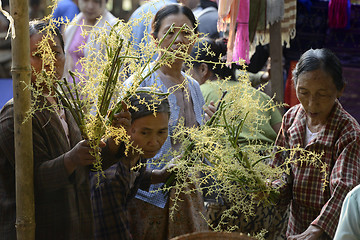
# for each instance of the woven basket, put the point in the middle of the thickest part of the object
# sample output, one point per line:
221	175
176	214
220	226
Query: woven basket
213	236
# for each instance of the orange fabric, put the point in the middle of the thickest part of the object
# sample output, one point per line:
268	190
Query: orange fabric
290	94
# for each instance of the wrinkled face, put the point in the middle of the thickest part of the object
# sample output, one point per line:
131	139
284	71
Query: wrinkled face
183	39
92	9
149	133
317	93
37	59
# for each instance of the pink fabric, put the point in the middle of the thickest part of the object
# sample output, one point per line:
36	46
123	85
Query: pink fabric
242	44
232	29
76	54
338	13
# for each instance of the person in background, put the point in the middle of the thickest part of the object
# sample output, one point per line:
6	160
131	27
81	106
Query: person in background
111	194
150	210
348	227
143	15
207	16
318	124
62	160
64	12
92	12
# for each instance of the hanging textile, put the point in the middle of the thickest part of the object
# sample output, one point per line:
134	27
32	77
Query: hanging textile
274	11
242	44
257	18
288	21
228	11
339	13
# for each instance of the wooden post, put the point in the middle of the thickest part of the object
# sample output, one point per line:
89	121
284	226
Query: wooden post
21	73
276	71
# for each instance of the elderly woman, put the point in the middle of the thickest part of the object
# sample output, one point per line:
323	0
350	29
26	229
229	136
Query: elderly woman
319	124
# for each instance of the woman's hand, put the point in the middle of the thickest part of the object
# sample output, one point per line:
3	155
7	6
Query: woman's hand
312	233
121	119
209	111
161	175
80	155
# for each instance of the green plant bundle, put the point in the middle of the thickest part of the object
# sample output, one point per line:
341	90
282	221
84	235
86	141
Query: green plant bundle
218	159
97	93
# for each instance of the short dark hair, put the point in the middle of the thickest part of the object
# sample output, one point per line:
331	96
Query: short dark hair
211	50
146	101
171	9
36	26
323	58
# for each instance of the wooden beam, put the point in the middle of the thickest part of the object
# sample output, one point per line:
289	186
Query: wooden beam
276	71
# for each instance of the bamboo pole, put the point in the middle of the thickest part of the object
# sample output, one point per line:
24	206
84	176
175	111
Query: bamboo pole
21	73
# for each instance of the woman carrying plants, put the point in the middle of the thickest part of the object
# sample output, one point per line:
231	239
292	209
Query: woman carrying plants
62	160
318	124
110	196
149	211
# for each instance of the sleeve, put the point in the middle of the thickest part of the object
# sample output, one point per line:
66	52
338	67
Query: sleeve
255	78
210	92
348	227
49	173
109	158
344	176
108	202
284	184
145	179
275	116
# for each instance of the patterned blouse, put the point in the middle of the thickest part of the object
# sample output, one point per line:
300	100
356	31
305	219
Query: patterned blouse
340	142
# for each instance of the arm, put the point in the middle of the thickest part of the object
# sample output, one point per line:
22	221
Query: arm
114	152
284	185
344	176
49	173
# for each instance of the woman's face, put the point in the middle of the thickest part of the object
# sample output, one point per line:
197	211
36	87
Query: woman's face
149	133
36	58
183	41
317	93
92	9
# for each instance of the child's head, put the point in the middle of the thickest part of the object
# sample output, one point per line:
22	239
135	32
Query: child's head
92	10
39	30
149	131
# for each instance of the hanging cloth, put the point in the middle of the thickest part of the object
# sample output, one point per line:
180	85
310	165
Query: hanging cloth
242	44
257	18
274	11
339	13
288	21
228	11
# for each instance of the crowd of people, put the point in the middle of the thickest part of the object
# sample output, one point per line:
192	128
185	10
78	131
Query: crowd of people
72	203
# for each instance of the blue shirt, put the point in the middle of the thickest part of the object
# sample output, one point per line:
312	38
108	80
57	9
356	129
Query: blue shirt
65	9
141	28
